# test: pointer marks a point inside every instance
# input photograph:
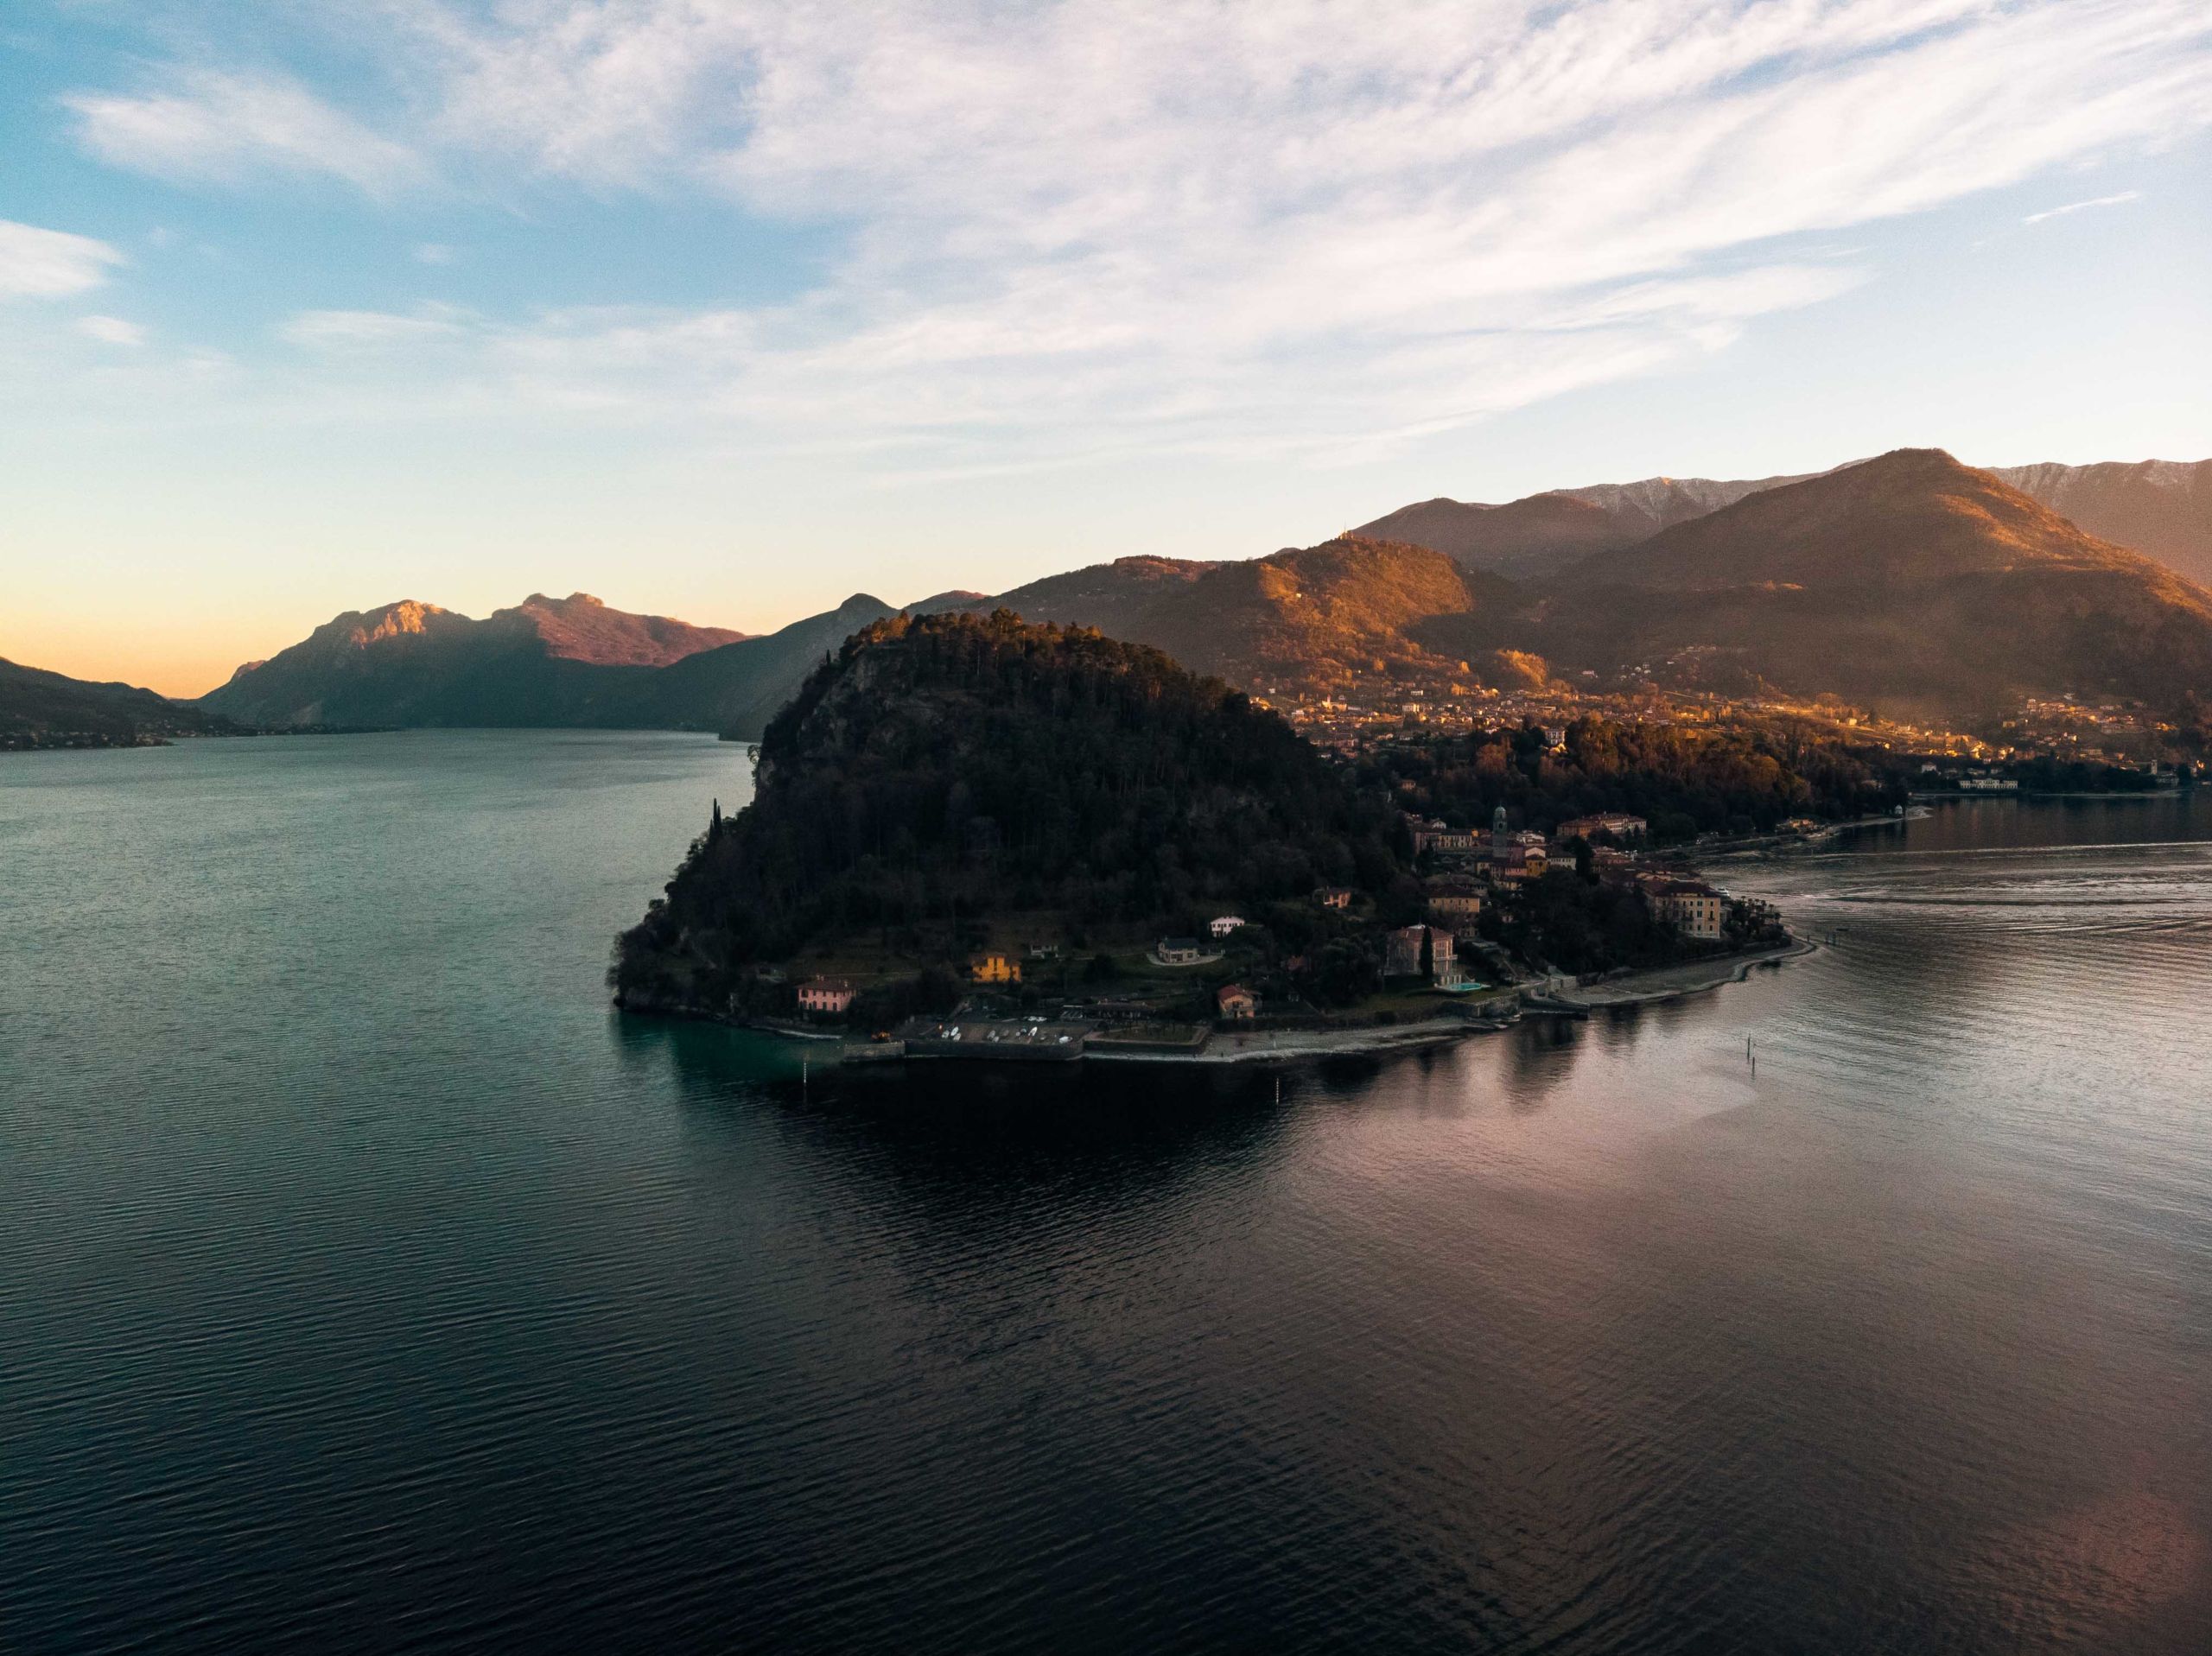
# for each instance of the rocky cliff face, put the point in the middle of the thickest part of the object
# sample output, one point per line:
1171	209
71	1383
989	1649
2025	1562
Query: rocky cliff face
406	618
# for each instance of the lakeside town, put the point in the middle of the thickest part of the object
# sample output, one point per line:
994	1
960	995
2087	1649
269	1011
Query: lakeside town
1382	706
1231	994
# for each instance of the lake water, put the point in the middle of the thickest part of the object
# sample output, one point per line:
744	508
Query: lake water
365	1285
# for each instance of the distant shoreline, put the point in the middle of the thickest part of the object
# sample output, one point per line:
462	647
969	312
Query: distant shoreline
2015	795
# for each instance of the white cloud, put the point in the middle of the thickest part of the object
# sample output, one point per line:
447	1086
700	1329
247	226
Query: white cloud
112	329
37	264
369	330
2122	198
432	253
1073	229
224	128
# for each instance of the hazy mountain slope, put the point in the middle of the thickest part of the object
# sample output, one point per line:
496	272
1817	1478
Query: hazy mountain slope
1522	537
41	709
1311	617
412	663
1541	533
2160	507
1317	616
1642	508
1906	579
960	598
581	628
1120	599
737	688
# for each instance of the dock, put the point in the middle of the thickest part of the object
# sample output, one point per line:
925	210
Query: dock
997	1040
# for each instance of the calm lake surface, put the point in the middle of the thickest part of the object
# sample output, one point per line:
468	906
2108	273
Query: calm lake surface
365	1283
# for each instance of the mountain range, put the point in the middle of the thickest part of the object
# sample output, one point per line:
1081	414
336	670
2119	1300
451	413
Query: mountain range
1906	581
548	660
1909	581
413	664
2162	507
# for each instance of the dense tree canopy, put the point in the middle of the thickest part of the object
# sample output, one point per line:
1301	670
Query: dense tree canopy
941	769
1684	779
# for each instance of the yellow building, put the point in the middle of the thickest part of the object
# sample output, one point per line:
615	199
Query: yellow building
994	967
1454	897
1700	911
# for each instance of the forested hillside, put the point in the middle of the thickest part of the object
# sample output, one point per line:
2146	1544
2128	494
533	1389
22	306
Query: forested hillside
43	710
945	767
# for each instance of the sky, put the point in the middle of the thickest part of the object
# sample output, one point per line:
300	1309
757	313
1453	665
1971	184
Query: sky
729	310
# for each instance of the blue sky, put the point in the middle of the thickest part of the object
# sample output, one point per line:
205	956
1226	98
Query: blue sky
729	310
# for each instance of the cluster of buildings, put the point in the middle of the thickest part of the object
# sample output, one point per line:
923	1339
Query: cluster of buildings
1367	710
831	996
1504	856
1472	864
1470	867
2101	732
